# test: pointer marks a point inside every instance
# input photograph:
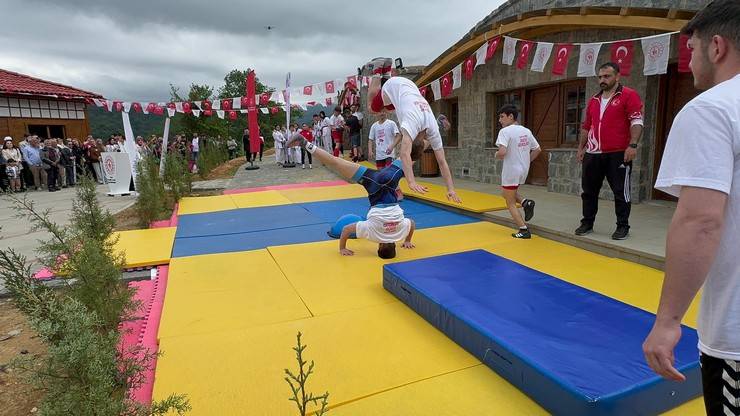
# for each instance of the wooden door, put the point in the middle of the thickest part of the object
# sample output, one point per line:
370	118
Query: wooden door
677	89
542	117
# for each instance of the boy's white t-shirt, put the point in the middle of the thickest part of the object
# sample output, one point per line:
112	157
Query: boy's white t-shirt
703	151
383	135
519	142
414	113
384	225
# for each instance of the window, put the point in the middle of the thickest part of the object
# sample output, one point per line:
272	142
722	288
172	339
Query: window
499	100
15	107
450	109
47	131
574	109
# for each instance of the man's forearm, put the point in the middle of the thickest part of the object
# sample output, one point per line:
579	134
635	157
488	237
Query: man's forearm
635	133
444	169
582	139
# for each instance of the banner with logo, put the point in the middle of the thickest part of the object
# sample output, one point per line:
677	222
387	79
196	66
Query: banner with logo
117	171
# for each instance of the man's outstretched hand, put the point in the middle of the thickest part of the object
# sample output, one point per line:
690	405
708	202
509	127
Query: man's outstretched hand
346	252
408	244
452	196
418	188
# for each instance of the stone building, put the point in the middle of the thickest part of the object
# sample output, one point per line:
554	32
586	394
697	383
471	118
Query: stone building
553	106
30	105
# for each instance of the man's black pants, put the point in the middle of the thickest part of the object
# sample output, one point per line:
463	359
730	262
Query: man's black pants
52	176
596	167
721	385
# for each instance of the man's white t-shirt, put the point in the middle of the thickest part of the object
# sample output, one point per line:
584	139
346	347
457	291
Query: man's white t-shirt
384	225
519	142
703	151
336	122
414	113
196	144
383	135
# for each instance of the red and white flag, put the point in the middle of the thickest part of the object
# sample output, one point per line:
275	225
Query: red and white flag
457	76
207	105
232	115
186	108
622	53
236	103
136	107
329	86
587	59
684	54
469	66
656	50
308	90
491	47
352	81
150	108
523	57
274	110
207	113
509	51
118	106
226	105
436	90
562	53
264	98
158	110
541	56
423	91
446	84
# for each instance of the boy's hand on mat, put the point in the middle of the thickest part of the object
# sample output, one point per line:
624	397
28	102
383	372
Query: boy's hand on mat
452	196
408	244
346	252
418	188
658	350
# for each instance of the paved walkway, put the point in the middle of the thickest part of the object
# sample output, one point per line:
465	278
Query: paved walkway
16	232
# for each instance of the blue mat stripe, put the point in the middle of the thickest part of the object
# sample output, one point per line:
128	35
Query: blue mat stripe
572	350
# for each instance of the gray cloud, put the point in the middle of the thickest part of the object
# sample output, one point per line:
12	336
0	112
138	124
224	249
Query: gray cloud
133	50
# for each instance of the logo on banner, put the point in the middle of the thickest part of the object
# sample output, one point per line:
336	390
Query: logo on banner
656	51
589	56
109	167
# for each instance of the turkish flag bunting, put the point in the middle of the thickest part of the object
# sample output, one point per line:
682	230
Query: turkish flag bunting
186	108
523	57
468	67
226	105
265	98
274	110
232	115
622	53
171	105
245	102
118	106
423	91
88	101
492	45
329	85
158	110
352	81
308	90
136	107
207	113
207	105
562	53
446	84
151	108
684	54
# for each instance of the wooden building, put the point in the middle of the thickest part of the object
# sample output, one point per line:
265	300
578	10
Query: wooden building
30	105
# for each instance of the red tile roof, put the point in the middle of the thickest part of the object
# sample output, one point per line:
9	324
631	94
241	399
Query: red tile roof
15	83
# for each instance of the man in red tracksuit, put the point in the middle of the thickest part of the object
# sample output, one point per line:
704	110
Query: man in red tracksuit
607	145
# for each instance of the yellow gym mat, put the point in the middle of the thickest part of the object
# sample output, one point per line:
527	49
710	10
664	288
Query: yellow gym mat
324	193
259	199
218	292
201	204
148	247
329	282
357	353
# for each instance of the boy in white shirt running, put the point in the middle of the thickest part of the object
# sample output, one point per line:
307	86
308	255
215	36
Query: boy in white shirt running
414	116
385	223
517	147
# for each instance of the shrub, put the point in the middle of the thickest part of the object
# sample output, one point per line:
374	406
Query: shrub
176	176
151	203
211	155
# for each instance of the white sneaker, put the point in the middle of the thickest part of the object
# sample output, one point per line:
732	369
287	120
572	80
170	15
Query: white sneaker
310	166
303	167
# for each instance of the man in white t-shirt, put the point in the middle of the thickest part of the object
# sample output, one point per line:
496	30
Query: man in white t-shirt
414	116
701	166
385	223
382	136
517	147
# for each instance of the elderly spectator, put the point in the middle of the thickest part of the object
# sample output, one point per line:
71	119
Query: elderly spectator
66	168
607	144
92	149
79	154
32	155
231	145
701	166
10	152
51	157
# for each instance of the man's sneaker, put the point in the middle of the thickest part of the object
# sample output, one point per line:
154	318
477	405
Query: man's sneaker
584	229
296	140
522	233
303	167
528	206
377	66
621	233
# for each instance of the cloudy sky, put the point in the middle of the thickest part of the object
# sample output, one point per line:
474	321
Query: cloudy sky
132	50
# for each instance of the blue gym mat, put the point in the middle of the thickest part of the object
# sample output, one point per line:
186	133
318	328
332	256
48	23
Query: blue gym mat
255	228
573	351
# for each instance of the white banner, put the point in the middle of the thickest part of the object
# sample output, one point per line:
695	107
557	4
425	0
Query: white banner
587	59
129	146
286	93
541	56
457	76
480	55
117	171
509	50
656	50
436	89
165	139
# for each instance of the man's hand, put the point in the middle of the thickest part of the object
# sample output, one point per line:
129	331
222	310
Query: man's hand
452	196
408	244
658	350
346	252
579	155
388	151
629	154
418	188
370	155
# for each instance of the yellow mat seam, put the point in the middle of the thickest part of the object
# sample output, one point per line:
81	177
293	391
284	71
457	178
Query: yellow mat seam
290	283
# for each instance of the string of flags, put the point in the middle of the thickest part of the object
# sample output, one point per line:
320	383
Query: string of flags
655	48
271	102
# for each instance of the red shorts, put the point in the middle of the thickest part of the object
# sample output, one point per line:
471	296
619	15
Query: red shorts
336	135
511	188
380	164
336	152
